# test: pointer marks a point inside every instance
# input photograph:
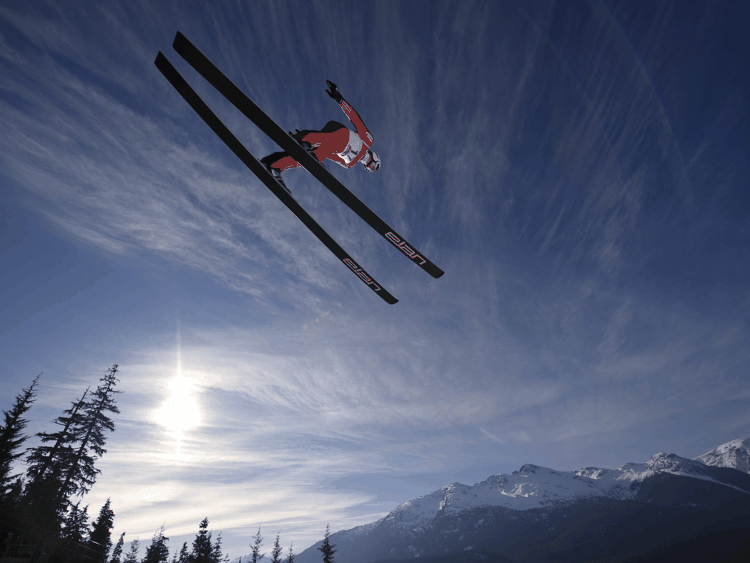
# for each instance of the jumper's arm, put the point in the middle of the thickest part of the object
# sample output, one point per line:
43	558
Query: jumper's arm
354	117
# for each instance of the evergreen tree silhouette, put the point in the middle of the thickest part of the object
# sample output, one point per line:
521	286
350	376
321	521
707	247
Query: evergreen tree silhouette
10	441
117	552
256	555
290	555
276	553
41	502
100	538
76	524
132	556
74	534
81	473
202	544
184	556
327	548
157	552
42	459
216	555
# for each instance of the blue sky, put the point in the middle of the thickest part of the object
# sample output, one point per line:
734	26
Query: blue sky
578	169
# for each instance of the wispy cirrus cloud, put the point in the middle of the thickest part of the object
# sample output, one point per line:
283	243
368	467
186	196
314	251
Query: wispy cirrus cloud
120	181
524	151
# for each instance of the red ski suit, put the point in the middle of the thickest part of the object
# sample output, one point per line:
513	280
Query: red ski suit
335	142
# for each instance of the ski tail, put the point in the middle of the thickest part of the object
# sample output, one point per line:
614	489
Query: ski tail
205	113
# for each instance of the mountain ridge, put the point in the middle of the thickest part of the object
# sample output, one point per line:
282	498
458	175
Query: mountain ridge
734	454
534	494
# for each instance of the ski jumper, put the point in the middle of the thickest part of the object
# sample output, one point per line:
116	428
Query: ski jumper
334	142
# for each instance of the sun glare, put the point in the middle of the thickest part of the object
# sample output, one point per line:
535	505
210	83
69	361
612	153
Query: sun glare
180	412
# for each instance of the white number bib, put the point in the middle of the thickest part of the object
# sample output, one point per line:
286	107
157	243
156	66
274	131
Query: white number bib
352	148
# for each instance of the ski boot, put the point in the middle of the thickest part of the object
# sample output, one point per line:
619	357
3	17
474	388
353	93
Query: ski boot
275	172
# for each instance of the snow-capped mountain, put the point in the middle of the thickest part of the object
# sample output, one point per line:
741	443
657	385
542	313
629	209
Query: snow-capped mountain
533	486
535	501
734	454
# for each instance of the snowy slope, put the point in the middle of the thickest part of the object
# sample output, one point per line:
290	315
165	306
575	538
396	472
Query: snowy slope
532	487
734	454
537	487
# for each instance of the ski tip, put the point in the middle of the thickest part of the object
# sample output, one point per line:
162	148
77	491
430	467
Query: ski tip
160	60
181	43
179	37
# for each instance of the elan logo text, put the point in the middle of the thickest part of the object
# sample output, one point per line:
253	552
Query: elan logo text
401	245
357	270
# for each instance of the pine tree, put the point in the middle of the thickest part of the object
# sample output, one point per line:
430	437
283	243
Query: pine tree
117	553
76	524
290	555
42	459
74	534
132	556
10	440
67	469
81	473
216	555
327	548
276	553
41	502
202	544
184	556
257	555
157	552
100	540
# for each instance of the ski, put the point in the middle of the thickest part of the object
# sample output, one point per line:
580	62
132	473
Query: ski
218	80
205	113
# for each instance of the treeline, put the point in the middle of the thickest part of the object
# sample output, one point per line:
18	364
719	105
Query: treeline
39	520
204	550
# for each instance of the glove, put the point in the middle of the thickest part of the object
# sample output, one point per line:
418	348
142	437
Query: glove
334	92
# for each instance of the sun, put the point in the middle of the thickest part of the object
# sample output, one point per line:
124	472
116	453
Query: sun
180	412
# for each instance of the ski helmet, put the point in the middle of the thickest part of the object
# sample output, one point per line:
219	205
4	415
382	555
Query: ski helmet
371	161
